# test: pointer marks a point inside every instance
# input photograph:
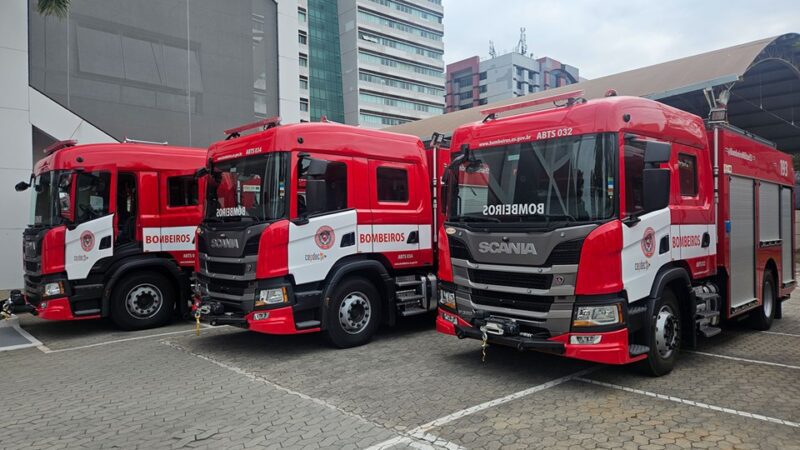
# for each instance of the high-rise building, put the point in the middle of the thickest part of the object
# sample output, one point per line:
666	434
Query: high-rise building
178	71
472	81
392	60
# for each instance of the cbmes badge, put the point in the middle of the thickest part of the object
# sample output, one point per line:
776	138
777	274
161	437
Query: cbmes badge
649	242
87	241
325	237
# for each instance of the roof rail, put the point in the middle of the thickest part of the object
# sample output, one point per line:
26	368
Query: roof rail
571	97
139	141
268	123
58	145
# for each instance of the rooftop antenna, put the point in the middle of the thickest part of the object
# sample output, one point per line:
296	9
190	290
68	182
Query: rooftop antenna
492	51
522	45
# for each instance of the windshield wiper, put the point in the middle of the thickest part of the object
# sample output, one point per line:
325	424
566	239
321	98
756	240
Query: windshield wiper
478	219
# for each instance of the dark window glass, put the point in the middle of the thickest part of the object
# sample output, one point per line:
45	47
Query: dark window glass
687	174
323	193
634	182
92	195
392	185
126	207
182	191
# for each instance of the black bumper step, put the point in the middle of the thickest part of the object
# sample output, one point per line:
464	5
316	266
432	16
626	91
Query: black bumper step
519	342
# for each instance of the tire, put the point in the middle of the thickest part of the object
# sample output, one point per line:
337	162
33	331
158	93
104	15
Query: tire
761	319
665	337
354	313
142	300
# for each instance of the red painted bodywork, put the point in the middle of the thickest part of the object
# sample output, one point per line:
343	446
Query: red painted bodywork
59	309
280	321
272	245
152	165
600	266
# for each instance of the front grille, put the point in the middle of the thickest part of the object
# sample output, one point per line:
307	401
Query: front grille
458	249
224	268
251	246
227	287
32	266
32	286
520	280
537	303
565	253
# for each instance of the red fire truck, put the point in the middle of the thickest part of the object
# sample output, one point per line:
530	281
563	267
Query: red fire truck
317	227
111	233
616	230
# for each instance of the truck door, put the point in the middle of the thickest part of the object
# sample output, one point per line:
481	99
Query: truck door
90	237
325	227
693	234
179	212
400	226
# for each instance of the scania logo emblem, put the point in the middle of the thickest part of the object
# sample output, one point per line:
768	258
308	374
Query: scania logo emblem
224	243
510	248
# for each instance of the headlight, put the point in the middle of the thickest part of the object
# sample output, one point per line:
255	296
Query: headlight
271	297
447	298
592	316
51	289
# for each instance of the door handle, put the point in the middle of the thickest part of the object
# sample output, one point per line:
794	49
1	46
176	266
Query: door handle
706	240
105	243
348	240
413	238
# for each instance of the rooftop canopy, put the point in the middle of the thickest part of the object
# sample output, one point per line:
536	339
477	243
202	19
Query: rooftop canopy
762	80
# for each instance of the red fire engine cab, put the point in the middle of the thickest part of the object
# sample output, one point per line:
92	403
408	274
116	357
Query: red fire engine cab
316	227
615	230
111	233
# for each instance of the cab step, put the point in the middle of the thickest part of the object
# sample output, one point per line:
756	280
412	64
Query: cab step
709	331
413	311
307	324
637	349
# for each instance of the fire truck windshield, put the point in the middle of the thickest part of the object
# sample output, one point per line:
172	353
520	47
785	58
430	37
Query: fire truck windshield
570	179
253	188
45	198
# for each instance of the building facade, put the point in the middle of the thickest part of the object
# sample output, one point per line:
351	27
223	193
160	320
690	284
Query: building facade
175	71
392	60
472	82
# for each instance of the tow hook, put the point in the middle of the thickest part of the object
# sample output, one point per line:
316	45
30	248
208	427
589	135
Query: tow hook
198	313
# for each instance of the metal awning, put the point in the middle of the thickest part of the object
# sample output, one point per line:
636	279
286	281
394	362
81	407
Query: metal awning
763	77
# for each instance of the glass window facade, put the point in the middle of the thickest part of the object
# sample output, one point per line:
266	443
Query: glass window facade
325	64
400	45
398	103
383	21
390	62
178	71
375	119
407	85
409	9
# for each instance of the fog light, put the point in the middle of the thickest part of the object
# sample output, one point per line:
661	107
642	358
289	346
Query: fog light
585	340
43	305
447	298
261	316
450	318
271	297
51	289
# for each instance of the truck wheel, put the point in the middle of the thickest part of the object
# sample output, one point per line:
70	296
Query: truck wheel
761	319
142	300
665	338
354	313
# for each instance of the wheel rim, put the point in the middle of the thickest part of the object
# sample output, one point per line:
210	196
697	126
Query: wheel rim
769	299
144	301
355	313
667	332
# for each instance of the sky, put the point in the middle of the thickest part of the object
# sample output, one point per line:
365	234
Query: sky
604	37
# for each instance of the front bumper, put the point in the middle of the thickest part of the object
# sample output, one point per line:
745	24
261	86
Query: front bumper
272	321
611	349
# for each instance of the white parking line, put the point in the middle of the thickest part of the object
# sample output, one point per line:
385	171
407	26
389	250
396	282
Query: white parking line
778	333
116	341
418	439
422	430
735	358
692	403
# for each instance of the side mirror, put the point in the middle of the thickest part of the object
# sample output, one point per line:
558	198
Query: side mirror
657	152
21	186
201	172
656	189
317	168
444	189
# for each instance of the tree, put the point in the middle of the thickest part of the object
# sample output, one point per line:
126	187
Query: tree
58	8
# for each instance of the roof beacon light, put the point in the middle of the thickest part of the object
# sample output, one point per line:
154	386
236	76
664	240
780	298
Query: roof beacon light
265	123
570	96
58	145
